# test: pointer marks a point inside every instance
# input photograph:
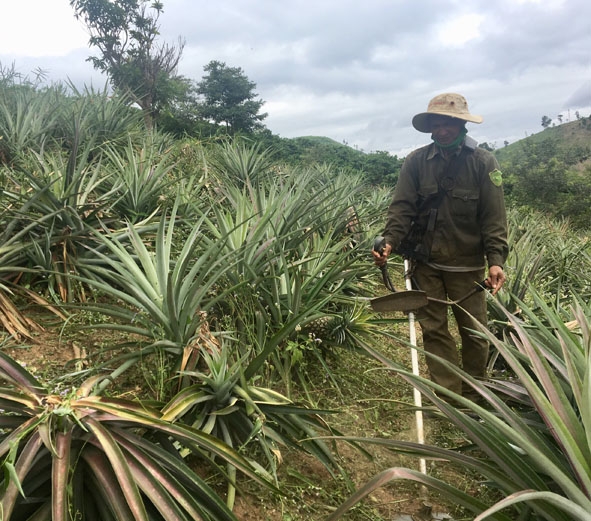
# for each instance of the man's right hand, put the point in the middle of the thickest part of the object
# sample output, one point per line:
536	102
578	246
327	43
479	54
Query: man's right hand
380	258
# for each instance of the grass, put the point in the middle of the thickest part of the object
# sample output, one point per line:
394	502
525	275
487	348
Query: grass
368	402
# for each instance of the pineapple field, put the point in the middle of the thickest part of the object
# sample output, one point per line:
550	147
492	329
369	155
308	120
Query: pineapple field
187	335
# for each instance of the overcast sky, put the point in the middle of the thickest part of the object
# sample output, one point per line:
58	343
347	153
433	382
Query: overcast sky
355	71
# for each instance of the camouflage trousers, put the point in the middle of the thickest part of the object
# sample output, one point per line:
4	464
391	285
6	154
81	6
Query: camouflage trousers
435	328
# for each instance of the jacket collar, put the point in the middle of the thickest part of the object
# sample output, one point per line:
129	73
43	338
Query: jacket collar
434	150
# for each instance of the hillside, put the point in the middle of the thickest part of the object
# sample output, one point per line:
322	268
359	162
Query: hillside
571	141
551	172
378	167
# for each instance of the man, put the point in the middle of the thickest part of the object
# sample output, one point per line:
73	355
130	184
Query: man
448	215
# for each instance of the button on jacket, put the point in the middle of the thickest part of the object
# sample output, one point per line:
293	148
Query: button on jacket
471	223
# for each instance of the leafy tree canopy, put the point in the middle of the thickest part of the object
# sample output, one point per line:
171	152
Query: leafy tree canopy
125	32
229	98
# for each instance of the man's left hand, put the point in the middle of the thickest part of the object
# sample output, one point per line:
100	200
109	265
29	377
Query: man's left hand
496	279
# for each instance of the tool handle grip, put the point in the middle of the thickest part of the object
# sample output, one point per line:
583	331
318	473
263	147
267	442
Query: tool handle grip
379	244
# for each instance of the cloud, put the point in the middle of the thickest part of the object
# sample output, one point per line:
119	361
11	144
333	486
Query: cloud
27	30
458	31
581	97
358	71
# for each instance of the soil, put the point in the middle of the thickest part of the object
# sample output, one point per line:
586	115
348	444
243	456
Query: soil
367	401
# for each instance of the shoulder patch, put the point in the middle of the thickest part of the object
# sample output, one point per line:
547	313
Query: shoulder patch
496	176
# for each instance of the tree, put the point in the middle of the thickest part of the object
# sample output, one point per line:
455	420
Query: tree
546	121
125	33
229	98
381	167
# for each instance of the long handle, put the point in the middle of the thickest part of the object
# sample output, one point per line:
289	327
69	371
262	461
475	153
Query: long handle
414	356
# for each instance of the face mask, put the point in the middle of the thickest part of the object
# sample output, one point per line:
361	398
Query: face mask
455	143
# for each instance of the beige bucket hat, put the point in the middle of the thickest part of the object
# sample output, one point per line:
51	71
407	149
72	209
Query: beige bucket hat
448	104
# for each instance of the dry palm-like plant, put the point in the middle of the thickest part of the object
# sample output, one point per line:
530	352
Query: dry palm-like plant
19	325
75	454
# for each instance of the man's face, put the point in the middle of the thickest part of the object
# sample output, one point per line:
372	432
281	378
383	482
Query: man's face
444	129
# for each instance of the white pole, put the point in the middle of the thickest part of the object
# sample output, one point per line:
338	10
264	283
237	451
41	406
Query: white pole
414	355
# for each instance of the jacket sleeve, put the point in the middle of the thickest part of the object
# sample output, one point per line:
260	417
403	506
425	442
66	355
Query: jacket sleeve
403	207
493	217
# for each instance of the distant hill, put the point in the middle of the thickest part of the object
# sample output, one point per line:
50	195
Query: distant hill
318	140
551	172
570	141
378	167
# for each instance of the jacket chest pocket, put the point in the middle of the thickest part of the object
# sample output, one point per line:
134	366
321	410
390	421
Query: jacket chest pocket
425	195
464	203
